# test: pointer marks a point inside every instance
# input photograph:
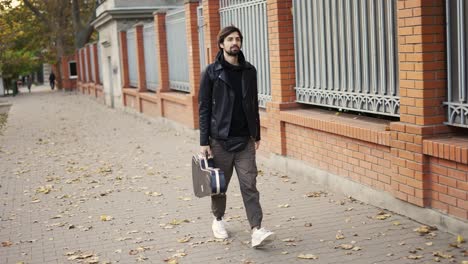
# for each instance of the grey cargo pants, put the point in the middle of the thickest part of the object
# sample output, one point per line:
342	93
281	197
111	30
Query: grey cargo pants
246	169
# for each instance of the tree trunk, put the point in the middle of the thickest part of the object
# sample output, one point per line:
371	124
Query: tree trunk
60	53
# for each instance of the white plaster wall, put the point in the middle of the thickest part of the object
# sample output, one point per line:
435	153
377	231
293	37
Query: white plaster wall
109	41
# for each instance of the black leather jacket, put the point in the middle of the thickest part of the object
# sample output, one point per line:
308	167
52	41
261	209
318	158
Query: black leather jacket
216	101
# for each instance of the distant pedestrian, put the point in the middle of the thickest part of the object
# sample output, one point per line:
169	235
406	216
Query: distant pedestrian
29	82
52	80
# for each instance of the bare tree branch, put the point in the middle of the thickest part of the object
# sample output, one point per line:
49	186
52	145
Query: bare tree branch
36	11
77	25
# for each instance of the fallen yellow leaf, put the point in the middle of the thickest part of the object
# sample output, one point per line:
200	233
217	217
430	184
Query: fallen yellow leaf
184	239
307	256
106	218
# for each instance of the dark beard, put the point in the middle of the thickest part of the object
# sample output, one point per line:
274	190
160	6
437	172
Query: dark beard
232	53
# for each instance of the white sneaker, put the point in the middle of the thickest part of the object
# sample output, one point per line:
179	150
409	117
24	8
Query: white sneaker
261	237
219	229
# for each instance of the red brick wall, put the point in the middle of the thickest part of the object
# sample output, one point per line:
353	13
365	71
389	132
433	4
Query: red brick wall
88	59
421	37
176	111
212	22
96	63
161	44
67	83
448	183
360	161
282	70
150	108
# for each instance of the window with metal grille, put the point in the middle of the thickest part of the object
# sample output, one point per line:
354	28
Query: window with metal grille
457	51
151	61
251	18
177	51
346	55
132	57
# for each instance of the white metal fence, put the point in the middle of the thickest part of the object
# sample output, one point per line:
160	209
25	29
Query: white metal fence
151	62
251	18
177	50
132	57
201	37
457	52
346	54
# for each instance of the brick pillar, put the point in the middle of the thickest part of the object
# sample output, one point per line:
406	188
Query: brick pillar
83	74
212	27
88	59
78	64
161	46
96	63
282	69
191	25
65	71
141	70
124	59
421	45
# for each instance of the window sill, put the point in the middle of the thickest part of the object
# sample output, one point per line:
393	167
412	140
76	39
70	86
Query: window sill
353	126
449	148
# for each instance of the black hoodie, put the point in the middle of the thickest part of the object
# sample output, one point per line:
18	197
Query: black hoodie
239	126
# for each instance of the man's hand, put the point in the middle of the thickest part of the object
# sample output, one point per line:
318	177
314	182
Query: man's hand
257	144
206	149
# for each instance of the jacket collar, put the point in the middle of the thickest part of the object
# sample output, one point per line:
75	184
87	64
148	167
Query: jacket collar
242	61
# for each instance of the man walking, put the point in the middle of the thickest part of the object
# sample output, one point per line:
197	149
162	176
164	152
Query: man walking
52	80
230	129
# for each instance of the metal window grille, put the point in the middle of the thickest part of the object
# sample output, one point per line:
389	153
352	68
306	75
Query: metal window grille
457	51
99	49
149	38
86	62
251	18
177	50
93	66
346	55
201	37
132	57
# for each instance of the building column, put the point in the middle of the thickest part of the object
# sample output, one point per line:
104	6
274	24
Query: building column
83	74
212	27
163	61
78	65
191	25
88	59
161	50
96	63
422	76
124	60
282	70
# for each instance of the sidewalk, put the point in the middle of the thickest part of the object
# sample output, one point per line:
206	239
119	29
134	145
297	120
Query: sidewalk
82	183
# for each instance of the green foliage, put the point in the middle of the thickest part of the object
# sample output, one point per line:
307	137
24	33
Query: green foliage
36	31
22	38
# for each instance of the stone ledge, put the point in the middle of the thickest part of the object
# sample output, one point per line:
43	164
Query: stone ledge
4	107
358	127
450	148
176	97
